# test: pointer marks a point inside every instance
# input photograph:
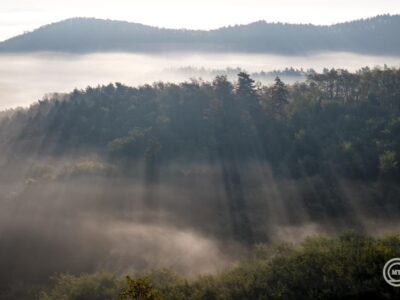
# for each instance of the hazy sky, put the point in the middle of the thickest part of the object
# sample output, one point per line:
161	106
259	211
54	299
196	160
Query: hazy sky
17	16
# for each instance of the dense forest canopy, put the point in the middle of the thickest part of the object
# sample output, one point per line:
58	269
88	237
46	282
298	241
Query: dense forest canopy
347	267
135	177
337	122
376	35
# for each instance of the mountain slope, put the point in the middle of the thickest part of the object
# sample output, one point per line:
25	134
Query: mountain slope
373	36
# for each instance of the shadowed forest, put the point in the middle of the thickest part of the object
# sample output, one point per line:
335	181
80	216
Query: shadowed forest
192	177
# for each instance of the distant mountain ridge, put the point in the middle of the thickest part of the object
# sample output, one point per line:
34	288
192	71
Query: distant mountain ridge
378	35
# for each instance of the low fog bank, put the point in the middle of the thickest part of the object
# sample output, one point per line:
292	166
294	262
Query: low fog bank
84	215
26	78
55	221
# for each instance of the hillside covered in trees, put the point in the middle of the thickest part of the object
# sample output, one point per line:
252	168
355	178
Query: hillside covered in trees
336	123
376	35
141	177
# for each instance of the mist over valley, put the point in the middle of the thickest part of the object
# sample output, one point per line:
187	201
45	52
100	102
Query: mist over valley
257	161
46	73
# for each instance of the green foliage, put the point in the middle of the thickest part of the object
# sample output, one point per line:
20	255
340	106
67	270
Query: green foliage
131	144
387	162
99	286
139	289
345	267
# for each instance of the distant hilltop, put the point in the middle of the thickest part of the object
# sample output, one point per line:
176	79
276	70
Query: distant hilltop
378	36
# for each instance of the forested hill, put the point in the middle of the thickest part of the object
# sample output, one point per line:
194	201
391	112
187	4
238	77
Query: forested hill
378	35
337	122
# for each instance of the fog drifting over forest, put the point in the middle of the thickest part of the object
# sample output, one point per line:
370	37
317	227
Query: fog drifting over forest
25	78
56	220
188	176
